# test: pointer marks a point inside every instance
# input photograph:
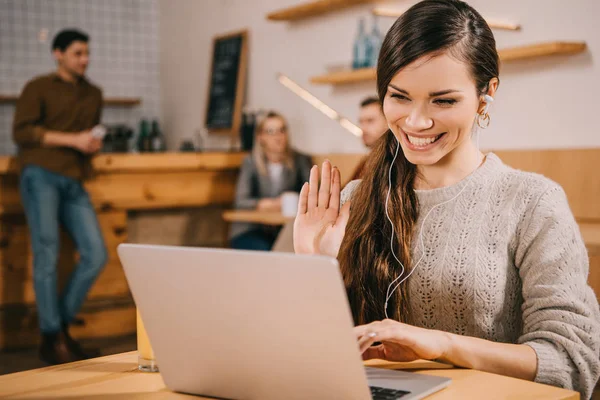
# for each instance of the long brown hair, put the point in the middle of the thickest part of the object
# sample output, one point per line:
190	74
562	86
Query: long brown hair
258	152
366	261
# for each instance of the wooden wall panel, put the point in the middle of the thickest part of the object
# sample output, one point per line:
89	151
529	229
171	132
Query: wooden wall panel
16	261
102	318
109	309
577	171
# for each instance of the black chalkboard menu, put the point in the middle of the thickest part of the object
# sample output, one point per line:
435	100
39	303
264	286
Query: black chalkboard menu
227	83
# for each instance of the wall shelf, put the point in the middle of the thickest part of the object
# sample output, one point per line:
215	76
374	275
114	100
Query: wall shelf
313	8
122	101
345	77
541	50
509	54
4	98
109	101
494	24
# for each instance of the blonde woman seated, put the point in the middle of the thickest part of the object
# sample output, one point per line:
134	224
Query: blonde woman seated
272	169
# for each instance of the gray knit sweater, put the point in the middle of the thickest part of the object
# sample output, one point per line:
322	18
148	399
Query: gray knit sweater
505	261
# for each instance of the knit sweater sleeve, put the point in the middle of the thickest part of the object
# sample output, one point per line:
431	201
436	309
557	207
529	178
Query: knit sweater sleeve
561	318
348	191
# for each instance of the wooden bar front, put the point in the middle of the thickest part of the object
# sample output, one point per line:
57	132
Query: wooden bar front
123	183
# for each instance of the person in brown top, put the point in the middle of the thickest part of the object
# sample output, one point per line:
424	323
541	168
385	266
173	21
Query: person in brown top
373	125
52	123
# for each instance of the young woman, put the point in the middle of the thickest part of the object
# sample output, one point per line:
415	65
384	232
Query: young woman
447	253
272	169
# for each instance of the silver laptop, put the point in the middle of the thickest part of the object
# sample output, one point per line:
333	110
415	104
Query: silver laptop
256	325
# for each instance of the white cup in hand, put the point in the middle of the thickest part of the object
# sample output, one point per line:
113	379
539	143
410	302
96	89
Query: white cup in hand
289	204
98	132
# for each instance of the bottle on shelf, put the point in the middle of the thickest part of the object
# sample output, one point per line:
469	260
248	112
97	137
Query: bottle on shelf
376	38
157	139
144	142
361	47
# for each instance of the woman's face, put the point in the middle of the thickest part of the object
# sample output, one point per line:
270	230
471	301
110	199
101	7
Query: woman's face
273	136
430	106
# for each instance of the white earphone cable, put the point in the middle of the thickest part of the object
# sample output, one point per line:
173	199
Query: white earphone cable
390	289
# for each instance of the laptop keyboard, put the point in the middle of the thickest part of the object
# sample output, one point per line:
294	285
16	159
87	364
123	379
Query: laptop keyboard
379	393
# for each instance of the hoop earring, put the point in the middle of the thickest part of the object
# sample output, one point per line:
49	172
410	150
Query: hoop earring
483	120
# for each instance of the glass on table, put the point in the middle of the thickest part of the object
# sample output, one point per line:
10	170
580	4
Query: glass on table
146	359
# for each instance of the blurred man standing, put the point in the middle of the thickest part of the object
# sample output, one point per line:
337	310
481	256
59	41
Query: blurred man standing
52	123
373	125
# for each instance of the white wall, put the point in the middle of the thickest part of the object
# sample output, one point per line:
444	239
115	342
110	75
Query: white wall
543	103
123	44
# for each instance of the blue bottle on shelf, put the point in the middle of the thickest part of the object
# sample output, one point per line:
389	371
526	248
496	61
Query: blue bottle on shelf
361	47
376	38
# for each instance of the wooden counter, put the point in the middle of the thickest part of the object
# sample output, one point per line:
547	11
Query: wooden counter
116	377
145	181
274	218
123	183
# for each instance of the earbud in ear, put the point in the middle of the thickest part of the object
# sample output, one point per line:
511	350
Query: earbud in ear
488	101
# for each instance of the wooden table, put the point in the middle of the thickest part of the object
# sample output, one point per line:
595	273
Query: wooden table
116	377
257	217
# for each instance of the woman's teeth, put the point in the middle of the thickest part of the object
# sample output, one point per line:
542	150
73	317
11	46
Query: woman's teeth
422	142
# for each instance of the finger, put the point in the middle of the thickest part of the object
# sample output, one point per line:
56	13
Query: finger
395	334
303	199
334	199
377	327
362	330
325	184
367	340
313	188
374	352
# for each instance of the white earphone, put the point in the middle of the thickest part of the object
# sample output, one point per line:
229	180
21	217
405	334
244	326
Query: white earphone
488	102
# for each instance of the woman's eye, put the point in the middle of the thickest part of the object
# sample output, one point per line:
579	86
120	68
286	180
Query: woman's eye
445	102
399	96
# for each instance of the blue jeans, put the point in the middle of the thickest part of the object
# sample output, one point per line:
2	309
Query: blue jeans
253	240
51	200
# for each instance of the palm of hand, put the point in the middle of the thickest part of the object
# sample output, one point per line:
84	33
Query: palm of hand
320	225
